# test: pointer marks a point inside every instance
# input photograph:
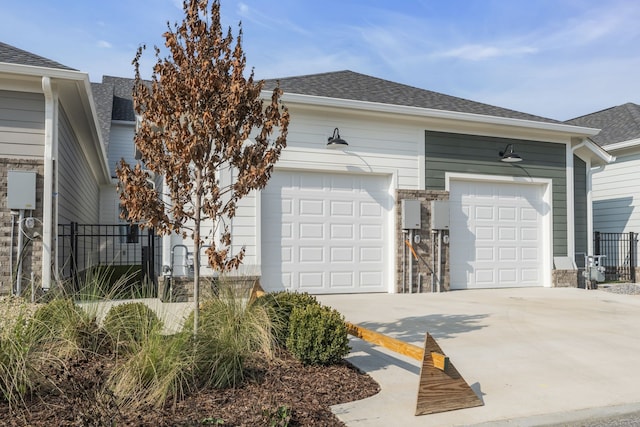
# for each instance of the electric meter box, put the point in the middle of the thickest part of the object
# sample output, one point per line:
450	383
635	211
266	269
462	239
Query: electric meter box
21	190
410	214
439	214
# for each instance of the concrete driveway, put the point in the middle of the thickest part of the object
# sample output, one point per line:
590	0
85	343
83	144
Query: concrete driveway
535	356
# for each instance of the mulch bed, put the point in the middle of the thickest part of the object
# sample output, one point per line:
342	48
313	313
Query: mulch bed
305	392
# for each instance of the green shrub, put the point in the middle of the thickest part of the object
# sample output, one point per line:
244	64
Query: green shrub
65	329
317	335
233	329
280	306
129	324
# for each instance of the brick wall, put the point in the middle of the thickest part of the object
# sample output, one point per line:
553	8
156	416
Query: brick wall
32	256
421	272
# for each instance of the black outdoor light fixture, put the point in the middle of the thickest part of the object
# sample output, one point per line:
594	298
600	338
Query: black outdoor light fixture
508	155
335	142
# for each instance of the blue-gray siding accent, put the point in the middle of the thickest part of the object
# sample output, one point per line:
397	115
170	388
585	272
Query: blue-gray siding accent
459	153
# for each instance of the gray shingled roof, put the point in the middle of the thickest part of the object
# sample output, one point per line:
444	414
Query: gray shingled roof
617	124
344	85
13	55
114	101
355	86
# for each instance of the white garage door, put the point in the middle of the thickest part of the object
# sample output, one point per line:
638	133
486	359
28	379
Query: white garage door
496	234
325	233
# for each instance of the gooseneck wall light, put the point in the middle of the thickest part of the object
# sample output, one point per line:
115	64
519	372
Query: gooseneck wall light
508	155
335	142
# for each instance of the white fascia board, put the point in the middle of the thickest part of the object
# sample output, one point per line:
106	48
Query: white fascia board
433	113
30	70
622	145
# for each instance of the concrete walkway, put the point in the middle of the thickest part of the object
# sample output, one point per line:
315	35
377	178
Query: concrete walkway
535	356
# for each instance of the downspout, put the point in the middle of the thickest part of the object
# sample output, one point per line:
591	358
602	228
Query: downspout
589	208
50	132
571	230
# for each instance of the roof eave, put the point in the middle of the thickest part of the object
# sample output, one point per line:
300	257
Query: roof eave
589	149
434	113
631	143
84	95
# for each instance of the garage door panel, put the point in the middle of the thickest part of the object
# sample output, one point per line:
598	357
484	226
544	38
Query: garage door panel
496	234
334	240
341	231
342	254
342	208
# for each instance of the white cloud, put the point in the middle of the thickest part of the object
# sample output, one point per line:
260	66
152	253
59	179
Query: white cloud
243	9
477	52
104	44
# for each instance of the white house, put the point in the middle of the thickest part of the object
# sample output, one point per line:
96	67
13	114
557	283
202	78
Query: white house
329	220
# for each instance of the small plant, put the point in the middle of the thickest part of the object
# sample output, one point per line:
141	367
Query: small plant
212	421
18	353
128	324
280	305
233	329
65	329
160	369
278	417
317	335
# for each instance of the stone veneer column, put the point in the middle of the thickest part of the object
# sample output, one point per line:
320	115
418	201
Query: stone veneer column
423	249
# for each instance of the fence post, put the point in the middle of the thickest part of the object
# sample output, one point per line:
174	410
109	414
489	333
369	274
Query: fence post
596	243
73	243
632	255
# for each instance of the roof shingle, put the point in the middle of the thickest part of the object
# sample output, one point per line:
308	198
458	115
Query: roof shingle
617	124
360	87
13	55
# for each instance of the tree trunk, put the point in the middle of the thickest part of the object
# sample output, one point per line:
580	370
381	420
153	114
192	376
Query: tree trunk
196	253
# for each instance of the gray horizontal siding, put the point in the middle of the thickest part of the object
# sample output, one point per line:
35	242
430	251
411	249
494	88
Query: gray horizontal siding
458	153
21	124
580	203
78	192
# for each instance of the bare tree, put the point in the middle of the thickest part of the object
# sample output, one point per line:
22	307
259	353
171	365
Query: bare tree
197	115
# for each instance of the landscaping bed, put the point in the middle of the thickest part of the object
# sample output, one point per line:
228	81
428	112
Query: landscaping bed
280	391
59	367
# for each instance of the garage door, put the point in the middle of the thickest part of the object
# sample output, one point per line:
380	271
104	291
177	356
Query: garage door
325	233
496	234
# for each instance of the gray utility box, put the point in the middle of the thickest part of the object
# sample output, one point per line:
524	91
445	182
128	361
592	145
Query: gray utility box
411	214
21	190
439	214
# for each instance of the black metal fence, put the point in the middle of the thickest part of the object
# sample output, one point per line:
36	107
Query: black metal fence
621	255
82	246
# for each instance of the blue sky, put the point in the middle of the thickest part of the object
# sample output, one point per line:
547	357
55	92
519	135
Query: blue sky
554	58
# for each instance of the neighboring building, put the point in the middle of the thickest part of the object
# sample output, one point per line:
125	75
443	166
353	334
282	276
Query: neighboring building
616	193
48	129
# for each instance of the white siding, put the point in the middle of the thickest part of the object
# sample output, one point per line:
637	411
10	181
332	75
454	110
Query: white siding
79	193
616	196
381	146
21	124
121	145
